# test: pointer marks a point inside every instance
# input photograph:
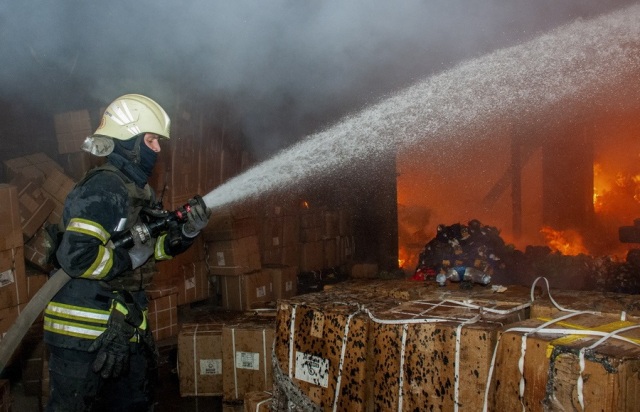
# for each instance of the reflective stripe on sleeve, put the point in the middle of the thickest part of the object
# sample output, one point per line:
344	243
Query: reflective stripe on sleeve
101	265
159	252
88	228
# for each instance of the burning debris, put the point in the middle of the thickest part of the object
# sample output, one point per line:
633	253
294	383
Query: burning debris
476	253
462	253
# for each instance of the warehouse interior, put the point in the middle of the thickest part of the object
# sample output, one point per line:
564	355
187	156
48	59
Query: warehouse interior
336	144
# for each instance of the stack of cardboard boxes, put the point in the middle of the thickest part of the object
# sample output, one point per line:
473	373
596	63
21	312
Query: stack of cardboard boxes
378	346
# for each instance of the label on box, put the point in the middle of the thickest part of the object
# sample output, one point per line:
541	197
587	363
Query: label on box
7	278
312	369
276	241
288	286
248	360
261	291
190	283
210	366
220	257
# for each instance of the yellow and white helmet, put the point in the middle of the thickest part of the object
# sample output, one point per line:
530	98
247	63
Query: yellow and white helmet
126	117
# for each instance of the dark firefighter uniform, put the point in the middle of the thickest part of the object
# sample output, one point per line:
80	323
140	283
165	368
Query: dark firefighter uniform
96	328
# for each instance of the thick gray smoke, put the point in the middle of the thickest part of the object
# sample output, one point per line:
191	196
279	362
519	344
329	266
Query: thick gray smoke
287	67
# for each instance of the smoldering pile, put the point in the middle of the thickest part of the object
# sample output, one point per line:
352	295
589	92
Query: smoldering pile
480	247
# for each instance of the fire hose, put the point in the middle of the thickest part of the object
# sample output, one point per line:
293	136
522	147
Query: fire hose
157	222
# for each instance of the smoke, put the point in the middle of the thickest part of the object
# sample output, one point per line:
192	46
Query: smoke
286	68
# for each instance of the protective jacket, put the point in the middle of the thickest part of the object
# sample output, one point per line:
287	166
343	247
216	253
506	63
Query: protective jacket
105	203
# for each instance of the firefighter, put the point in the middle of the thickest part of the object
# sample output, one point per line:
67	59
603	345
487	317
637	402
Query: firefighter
102	353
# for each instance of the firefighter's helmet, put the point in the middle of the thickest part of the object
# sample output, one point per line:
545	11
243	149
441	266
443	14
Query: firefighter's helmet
126	117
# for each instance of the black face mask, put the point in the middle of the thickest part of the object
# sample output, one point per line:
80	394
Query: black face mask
134	158
147	158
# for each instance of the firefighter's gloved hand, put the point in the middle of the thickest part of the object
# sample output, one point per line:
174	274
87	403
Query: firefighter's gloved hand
140	253
146	338
113	344
197	219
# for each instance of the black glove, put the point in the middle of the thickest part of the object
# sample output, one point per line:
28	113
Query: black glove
197	219
146	338
113	344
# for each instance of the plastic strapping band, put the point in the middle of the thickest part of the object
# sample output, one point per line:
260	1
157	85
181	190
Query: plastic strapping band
405	328
292	330
342	354
456	380
579	384
264	354
195	358
235	371
262	402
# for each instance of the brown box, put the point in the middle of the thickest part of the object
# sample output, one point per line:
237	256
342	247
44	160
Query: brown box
71	130
35	280
226	226
58	185
8	317
432	355
364	271
285	281
5	395
35	208
163	316
192	283
233	257
13	282
551	376
10	227
311	353
246	357
170	270
249	291
258	401
620	305
200	359
36	249
311	256
34	167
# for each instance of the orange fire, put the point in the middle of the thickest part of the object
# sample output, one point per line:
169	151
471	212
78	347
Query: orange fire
567	242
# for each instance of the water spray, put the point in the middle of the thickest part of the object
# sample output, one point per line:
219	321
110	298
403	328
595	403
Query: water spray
573	63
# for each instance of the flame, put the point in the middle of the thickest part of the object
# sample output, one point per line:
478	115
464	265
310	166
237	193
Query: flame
567	242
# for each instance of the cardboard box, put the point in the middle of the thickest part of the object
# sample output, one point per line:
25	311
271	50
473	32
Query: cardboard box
13	282
311	256
226	226
200	359
246	357
320	348
192	283
233	257
364	271
258	401
71	130
36	249
163	316
8	317
58	185
550	374
35	280
35	208
248	291
619	305
285	281
34	167
10	226
432	355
